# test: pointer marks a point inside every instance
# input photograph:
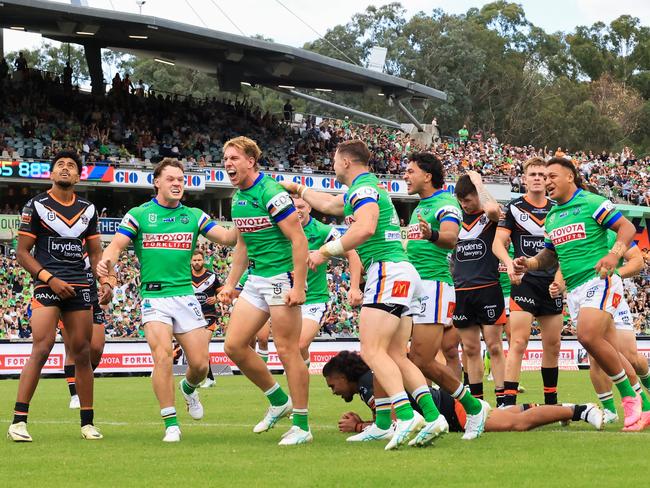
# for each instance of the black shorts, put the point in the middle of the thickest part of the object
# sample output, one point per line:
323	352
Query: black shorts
45	297
98	314
212	322
532	296
479	306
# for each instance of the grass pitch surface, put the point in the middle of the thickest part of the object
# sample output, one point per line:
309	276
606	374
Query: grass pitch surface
221	449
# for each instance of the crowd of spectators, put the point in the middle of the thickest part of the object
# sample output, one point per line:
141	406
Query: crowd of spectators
134	124
123	313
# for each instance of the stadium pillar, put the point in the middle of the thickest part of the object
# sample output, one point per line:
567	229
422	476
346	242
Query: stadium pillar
94	61
2	43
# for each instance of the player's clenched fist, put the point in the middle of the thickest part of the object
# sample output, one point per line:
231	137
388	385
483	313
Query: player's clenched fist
520	265
290	186
227	294
348	422
295	297
61	288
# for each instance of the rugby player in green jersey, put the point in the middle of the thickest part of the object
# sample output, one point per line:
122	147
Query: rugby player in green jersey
576	238
630	265
388	302
318	295
432	235
273	246
164	233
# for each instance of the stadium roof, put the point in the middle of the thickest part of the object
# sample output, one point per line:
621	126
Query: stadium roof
232	58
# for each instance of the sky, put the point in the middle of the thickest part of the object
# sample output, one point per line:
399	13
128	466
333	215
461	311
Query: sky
271	19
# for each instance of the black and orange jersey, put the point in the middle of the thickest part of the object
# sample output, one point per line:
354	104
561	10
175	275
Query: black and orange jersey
60	231
525	222
474	263
205	286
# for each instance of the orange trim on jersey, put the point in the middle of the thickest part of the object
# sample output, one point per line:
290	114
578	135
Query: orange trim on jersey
74	199
477	287
94	236
72	220
23	233
196	285
469	226
514	306
532	204
36	304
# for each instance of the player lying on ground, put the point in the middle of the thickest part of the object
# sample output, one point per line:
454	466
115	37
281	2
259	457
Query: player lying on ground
164	233
347	375
389	297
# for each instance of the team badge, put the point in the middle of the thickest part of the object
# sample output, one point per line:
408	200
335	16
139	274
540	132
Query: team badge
491	313
576	210
277	288
185	219
84	220
153	218
51	216
523	217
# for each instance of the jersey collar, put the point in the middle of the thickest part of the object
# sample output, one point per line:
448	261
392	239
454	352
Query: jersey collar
431	196
155	200
257	180
575	194
358	176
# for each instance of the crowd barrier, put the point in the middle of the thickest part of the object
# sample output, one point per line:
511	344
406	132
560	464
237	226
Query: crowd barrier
134	356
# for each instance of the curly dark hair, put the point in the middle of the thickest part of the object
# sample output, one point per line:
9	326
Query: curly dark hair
429	163
67	154
347	363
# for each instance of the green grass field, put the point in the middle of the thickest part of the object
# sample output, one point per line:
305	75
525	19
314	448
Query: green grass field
221	449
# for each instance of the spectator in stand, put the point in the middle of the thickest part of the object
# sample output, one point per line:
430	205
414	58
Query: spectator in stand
463	134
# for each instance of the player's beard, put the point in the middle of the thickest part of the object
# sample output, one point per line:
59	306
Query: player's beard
64	184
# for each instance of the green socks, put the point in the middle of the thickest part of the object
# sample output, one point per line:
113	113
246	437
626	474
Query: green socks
264	355
402	406
471	405
382	413
424	399
645	403
623	384
187	387
645	380
607	400
276	395
300	418
169	416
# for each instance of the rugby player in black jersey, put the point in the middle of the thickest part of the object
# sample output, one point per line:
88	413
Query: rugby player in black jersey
206	286
55	224
529	299
347	375
479	298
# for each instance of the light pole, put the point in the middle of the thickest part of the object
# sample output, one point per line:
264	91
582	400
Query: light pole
140	3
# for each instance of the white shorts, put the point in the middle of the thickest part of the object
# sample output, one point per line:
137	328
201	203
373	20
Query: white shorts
602	293
183	313
314	312
623	318
265	292
393	284
437	303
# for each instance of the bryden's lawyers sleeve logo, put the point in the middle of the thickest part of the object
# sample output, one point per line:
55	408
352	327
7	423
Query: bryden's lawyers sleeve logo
568	233
171	240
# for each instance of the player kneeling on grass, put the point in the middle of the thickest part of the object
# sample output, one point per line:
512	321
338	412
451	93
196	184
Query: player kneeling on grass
164	233
347	375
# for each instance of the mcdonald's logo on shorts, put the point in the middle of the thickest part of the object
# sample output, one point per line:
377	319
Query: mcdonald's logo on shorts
616	300
400	289
450	310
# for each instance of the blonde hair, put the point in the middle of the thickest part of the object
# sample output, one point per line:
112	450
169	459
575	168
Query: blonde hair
247	146
534	161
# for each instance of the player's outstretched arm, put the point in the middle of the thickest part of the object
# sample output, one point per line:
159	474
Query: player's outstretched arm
544	259
239	263
500	250
633	263
320	201
112	253
221	235
292	230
